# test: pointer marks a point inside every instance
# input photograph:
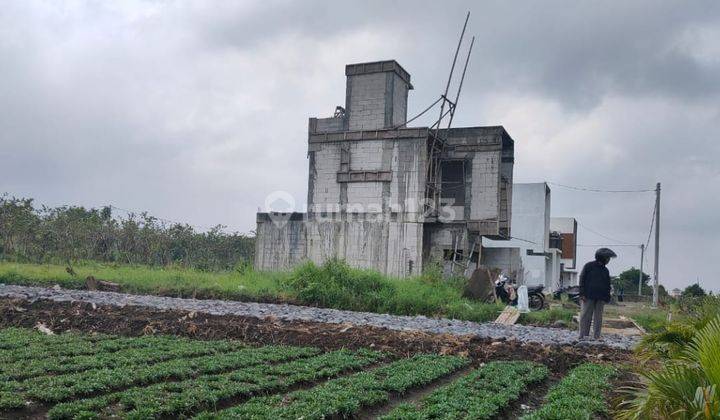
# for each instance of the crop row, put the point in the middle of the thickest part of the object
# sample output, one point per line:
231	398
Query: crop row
27	368
12	338
578	395
346	396
479	395
179	398
61	387
14	343
42	349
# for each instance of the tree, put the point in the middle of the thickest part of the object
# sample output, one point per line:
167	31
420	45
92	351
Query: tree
627	281
694	290
69	234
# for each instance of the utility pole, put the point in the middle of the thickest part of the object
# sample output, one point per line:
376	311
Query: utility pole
640	276
657	245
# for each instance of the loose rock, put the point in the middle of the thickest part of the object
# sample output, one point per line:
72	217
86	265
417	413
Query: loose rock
522	333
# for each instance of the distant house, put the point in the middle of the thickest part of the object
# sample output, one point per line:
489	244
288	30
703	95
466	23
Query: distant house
528	256
675	293
565	230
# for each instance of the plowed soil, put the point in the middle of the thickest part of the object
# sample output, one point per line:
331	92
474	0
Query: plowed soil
134	321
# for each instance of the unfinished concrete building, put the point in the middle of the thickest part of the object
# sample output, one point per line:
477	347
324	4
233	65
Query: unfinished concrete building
389	197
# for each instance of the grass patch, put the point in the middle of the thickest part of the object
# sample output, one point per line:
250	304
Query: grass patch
549	316
183	282
332	285
652	321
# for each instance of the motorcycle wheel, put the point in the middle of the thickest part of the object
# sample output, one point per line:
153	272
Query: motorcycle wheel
536	301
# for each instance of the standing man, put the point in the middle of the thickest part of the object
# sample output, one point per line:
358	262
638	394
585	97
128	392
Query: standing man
594	292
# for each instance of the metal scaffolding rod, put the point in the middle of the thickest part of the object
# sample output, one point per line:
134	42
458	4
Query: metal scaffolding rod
462	79
452	68
436	140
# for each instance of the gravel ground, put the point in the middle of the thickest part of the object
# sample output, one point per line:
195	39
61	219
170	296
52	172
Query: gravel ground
521	333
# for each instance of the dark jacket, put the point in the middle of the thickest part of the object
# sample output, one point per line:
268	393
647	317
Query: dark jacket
595	281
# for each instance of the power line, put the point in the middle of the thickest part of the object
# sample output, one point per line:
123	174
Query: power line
598	190
524	240
601	245
418	115
652	222
505	237
604	236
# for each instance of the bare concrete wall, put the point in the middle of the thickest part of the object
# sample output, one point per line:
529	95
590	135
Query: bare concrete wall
366	104
279	246
399	99
376	95
485	190
507	260
392	248
403	159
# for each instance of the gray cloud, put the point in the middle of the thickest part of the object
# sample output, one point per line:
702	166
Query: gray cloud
196	111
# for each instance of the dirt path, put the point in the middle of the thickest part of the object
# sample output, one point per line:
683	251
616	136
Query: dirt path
521	333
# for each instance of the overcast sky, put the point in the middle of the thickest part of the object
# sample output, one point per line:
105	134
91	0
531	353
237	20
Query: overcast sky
196	111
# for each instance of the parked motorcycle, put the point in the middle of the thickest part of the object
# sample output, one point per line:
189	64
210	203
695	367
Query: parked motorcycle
572	292
506	290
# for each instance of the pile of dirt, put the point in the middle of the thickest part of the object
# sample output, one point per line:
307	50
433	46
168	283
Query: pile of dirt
134	321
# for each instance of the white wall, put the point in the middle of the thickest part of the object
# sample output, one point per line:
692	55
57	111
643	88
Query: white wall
530	231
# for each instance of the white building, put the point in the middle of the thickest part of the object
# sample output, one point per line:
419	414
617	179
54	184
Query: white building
527	255
566	227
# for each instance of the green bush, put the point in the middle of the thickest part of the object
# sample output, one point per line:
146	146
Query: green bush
336	285
685	384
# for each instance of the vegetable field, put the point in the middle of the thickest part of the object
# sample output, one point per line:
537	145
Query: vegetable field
73	375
